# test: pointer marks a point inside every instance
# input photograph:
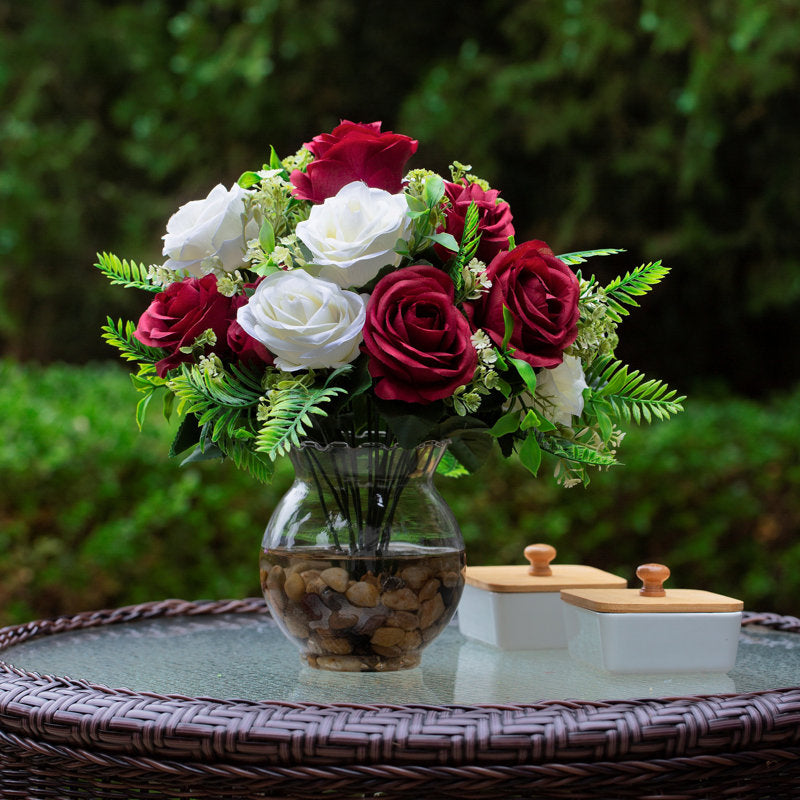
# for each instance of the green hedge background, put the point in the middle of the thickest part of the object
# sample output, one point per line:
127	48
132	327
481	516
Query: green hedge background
664	126
93	514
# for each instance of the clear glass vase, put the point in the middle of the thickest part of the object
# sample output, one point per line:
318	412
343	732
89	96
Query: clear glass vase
362	561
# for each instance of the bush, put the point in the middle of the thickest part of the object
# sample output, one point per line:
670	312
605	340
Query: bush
93	513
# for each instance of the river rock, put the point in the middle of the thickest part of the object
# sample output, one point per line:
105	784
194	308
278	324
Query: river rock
363	594
295	587
336	578
415	576
401	599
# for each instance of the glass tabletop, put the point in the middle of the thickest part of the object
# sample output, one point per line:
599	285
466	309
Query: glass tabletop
236	656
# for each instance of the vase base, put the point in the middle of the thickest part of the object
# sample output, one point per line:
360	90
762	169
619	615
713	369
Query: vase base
349	663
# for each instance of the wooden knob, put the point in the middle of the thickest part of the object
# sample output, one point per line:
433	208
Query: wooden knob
540	556
652	577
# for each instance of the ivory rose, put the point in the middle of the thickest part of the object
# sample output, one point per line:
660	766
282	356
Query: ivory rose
306	322
559	391
209	232
353	234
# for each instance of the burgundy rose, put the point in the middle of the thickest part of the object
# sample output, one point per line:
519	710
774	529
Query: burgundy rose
541	292
353	151
494	217
179	314
418	341
248	350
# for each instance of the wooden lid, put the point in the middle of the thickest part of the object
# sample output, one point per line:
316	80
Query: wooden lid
651	598
540	575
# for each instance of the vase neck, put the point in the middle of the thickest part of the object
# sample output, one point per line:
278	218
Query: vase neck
367	461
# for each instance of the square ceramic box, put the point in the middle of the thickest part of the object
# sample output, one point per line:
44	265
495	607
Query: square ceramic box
623	631
512	609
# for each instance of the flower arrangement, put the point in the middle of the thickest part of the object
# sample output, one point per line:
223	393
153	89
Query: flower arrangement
333	296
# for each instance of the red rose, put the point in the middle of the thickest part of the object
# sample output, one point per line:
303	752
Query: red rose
179	314
541	292
247	349
417	340
354	152
494	218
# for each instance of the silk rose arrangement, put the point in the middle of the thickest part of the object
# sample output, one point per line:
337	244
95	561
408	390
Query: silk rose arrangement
335	296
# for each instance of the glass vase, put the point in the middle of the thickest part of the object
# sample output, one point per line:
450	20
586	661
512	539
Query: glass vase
362	562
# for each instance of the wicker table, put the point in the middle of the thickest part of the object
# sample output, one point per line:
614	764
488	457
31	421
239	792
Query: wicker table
417	735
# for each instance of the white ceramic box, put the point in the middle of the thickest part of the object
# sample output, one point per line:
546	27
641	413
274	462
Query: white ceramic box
518	606
674	630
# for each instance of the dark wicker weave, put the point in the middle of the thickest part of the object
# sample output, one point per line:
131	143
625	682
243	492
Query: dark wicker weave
61	738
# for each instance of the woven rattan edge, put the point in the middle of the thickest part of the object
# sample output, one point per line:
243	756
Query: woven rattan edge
61	712
683	778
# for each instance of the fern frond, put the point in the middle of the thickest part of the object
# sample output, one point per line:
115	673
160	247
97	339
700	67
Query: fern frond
119	334
222	402
125	273
628	396
471	237
581	256
622	290
575	451
289	416
243	457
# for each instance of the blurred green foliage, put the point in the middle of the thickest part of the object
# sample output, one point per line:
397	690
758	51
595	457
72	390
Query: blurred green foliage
664	126
93	514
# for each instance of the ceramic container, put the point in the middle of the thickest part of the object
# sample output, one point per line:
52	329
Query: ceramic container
652	629
518	606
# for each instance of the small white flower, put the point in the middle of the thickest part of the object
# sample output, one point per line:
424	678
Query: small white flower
211	232
353	234
306	322
559	391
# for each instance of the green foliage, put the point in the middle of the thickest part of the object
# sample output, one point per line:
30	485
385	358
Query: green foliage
288	417
125	273
626	395
119	334
223	403
94	515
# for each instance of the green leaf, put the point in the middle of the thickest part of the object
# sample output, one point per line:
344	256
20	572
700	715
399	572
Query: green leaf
537	421
248	179
167	405
450	466
446	240
141	407
207	452
410	426
416	205
187	436
530	453
470	440
508	423
266	236
434	190
274	159
580	257
508	323
526	372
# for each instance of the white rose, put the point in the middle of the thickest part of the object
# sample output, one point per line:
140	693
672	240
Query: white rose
352	235
306	322
209	232
559	391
